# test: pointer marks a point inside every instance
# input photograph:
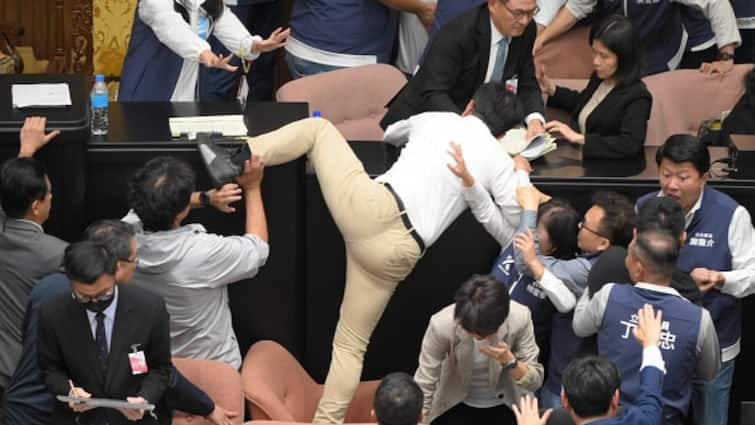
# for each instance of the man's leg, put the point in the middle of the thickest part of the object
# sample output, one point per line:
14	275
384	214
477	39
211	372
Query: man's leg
710	399
373	269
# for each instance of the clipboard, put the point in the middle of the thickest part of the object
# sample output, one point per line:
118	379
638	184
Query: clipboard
107	402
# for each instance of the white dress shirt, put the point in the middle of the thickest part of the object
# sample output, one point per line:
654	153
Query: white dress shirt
495	41
432	194
181	37
109	313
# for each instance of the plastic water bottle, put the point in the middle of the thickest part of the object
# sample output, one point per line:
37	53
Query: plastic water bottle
99	106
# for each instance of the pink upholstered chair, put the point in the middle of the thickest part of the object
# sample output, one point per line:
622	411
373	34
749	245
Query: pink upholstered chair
683	99
352	98
277	387
219	380
568	56
286	423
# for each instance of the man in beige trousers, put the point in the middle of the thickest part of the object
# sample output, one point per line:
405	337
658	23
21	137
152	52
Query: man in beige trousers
386	223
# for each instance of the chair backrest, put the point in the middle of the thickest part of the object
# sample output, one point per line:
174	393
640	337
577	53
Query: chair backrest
683	99
747	413
276	386
353	99
219	380
568	56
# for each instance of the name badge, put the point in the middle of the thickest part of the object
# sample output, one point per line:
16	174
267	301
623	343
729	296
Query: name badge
512	84
137	361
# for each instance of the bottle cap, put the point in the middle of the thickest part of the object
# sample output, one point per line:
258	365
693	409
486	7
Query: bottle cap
316	114
99	77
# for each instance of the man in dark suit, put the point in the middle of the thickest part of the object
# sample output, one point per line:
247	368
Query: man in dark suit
103	341
492	42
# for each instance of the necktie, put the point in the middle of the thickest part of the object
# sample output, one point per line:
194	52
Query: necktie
500	60
101	342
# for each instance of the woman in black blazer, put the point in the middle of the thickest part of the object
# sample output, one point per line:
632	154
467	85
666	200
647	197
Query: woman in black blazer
609	117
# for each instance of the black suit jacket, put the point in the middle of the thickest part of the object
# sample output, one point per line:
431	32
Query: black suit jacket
616	127
456	66
66	351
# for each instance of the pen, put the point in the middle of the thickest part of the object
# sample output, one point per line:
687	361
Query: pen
70	382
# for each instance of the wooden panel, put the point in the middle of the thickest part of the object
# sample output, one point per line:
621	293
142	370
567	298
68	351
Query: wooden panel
58	30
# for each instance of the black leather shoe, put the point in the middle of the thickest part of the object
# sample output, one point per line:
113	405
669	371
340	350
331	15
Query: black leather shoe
223	164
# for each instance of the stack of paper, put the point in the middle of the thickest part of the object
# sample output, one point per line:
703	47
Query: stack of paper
515	142
40	95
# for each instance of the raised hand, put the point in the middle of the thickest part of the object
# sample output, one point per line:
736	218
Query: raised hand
223	197
277	39
460	167
211	60
527	413
648	330
33	136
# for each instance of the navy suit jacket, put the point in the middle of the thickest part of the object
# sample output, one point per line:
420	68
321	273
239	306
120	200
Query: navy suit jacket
27	401
649	408
456	67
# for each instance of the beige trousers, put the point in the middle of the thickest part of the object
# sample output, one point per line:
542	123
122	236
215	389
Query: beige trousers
380	252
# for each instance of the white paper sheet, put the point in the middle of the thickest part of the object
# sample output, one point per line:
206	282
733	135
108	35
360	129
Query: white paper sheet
40	95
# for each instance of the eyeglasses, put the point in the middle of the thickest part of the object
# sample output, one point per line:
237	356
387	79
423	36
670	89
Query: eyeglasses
135	261
103	296
593	231
519	13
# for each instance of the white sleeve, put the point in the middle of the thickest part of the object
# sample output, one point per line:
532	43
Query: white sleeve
170	28
721	17
234	35
588	314
486	213
397	134
651	356
561	297
548	10
580	8
740	281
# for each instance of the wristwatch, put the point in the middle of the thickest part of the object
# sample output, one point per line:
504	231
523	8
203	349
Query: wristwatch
204	198
725	56
511	365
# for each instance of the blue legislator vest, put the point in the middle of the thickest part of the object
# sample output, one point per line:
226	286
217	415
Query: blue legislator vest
679	333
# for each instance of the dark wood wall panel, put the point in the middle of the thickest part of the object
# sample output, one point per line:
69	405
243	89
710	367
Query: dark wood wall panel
58	30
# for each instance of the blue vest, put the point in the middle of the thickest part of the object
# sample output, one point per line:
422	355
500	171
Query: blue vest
697	26
744	8
707	245
150	70
659	23
680	330
526	291
345	26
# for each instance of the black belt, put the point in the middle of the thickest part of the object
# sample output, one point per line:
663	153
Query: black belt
405	218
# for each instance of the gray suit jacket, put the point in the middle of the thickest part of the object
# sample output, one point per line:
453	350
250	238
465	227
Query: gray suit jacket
447	360
28	254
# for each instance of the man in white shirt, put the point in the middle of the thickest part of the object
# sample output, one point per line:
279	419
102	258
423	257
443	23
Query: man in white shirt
386	223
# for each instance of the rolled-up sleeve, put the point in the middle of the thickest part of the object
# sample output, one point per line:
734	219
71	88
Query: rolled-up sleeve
234	35
721	17
580	8
221	260
171	29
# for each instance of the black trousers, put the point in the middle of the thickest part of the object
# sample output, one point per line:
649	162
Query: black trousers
462	414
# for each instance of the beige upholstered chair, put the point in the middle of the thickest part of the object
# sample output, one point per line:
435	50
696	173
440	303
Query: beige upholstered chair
568	56
219	380
352	98
683	99
277	387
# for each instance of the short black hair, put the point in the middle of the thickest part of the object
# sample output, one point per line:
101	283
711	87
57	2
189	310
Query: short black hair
497	107
22	181
618	220
116	235
589	383
618	34
398	400
680	148
160	190
86	261
658	250
661	213
561	221
482	305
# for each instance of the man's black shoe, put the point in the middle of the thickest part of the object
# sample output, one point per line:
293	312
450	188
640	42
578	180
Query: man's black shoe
223	164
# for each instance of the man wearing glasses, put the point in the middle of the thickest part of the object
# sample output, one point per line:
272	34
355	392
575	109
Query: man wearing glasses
491	42
102	340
